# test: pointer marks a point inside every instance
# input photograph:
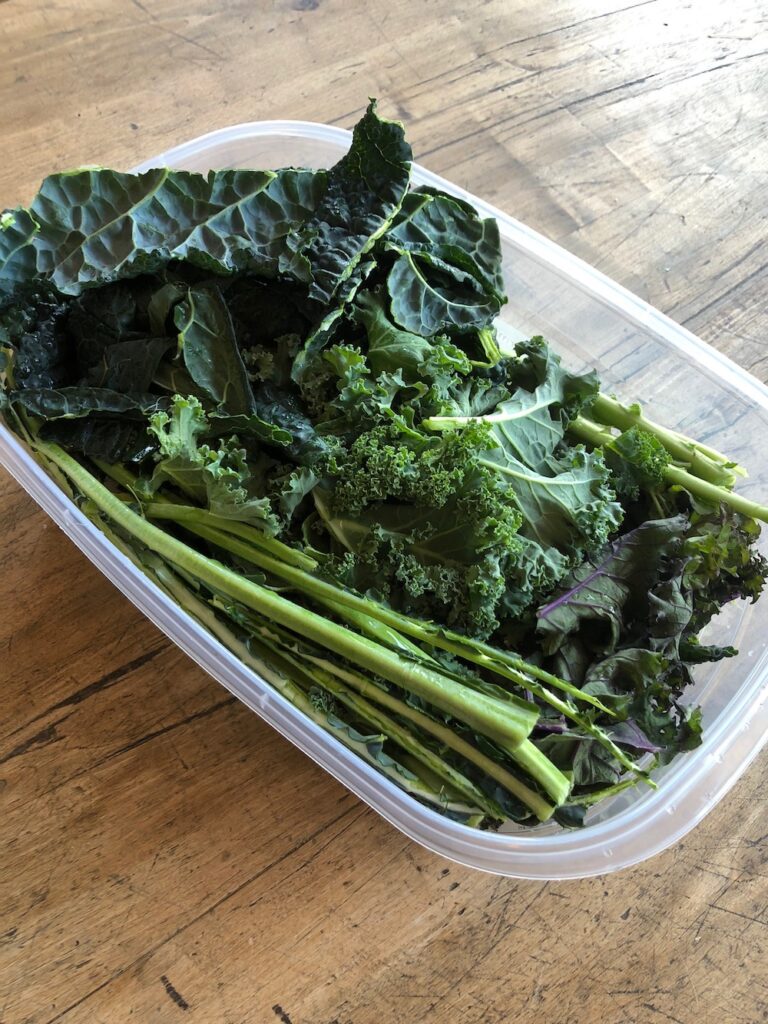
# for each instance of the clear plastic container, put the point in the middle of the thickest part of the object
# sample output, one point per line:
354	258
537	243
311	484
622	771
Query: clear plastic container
639	354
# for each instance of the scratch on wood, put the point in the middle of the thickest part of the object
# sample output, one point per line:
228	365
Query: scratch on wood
102	683
205	713
177	998
662	1013
40	739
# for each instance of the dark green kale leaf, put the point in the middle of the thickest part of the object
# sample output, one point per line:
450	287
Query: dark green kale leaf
94	226
449	228
362	194
35	332
97	422
75	402
209	349
389	347
428	296
447	270
129	366
603	592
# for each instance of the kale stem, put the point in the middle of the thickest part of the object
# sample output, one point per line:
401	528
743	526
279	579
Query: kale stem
508	666
594	435
164	576
532	800
588	799
393	730
506	723
704	462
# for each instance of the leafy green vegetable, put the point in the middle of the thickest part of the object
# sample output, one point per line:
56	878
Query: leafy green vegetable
613	586
211	356
281	394
362	194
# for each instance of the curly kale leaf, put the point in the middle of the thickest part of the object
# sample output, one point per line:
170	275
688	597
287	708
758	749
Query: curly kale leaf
613	586
637	460
721	563
422	523
217	478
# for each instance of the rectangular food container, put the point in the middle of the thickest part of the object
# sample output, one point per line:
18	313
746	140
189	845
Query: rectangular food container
640	355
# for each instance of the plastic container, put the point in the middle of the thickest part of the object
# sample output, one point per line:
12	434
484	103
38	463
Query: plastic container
639	354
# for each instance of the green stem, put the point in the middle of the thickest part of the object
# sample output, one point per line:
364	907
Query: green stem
529	797
538	766
588	799
362	617
284	685
501	662
704	462
169	507
534	686
501	721
393	730
594	435
380	632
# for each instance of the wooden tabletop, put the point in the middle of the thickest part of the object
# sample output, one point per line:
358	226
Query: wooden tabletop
165	856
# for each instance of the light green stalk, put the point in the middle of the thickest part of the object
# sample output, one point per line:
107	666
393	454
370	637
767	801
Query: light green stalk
703	461
529	797
504	722
503	663
595	435
168	581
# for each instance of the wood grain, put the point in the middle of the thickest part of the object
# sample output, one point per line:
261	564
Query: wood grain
163	854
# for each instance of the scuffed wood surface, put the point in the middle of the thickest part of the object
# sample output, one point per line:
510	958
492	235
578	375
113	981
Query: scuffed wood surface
163	854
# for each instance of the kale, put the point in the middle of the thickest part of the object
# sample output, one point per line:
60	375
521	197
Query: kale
282	393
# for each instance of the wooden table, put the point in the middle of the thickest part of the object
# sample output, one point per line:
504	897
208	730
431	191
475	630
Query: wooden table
164	855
